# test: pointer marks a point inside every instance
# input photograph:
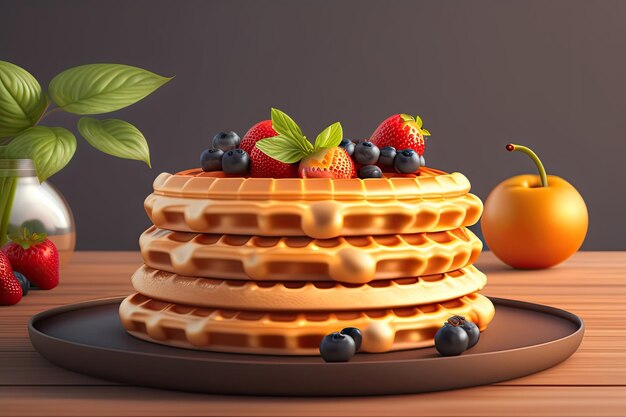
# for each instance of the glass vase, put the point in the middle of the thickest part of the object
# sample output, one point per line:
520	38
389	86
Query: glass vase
25	203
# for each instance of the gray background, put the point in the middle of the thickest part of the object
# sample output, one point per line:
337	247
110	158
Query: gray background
549	74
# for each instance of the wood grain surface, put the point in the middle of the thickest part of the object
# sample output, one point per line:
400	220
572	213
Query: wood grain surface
592	382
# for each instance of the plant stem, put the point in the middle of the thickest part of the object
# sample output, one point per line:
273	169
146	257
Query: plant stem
542	171
49	112
7	194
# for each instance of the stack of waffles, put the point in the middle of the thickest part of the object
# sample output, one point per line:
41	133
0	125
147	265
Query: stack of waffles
270	266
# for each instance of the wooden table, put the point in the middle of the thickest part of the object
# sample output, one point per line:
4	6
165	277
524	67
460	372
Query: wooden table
592	382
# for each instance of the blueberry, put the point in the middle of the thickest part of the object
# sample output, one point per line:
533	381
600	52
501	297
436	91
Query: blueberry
337	347
370	171
422	161
226	141
366	153
236	162
406	161
473	332
452	339
211	160
387	154
24	283
348	145
355	334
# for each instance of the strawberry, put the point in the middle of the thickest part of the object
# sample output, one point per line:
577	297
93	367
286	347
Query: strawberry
402	132
323	159
10	288
257	132
327	163
35	256
264	166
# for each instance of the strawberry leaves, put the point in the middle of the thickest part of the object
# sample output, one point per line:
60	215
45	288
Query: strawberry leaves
26	239
291	145
418	122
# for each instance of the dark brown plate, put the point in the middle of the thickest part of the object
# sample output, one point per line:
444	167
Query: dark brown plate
88	338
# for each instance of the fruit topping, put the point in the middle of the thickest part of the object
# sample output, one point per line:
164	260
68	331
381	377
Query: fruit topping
370	171
451	340
401	131
366	153
10	289
387	155
257	132
348	145
226	141
236	162
263	166
355	334
473	332
406	161
337	347
35	256
24	283
422	161
324	159
211	160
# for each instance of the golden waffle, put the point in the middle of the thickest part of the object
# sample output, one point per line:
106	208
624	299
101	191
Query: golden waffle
356	259
306	296
318	219
292	333
194	183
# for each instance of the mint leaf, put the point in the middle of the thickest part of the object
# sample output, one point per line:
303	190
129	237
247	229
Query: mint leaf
282	148
115	137
425	132
50	148
407	117
102	88
21	100
419	121
330	137
285	125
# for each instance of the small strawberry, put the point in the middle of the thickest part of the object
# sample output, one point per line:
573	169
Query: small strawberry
257	132
324	159
402	132
10	288
264	166
35	256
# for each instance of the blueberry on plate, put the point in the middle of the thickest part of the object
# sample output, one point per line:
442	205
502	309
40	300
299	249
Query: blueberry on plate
387	154
473	332
348	145
211	160
236	162
365	153
24	283
226	141
422	161
337	347
451	340
406	161
355	334
370	171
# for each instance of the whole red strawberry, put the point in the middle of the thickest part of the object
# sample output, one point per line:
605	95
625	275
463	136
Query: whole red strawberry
264	166
257	132
402	132
35	256
10	288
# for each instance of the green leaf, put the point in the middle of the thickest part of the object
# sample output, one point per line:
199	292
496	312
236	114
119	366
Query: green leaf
282	148
115	137
102	88
330	137
425	132
51	148
419	121
21	100
407	117
285	125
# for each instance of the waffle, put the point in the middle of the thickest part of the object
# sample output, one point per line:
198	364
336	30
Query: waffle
318	219
346	259
194	183
306	296
292	333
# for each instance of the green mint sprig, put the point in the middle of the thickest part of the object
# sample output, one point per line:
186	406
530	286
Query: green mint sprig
291	145
84	90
